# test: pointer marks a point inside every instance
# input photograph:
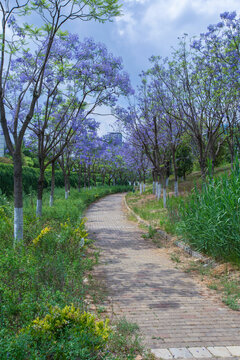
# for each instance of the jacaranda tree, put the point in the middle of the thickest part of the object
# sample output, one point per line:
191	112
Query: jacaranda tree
20	91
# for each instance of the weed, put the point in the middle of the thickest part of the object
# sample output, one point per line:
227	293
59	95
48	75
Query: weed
213	286
101	309
175	257
125	340
151	233
232	302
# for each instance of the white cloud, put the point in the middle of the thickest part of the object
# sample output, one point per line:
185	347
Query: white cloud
145	20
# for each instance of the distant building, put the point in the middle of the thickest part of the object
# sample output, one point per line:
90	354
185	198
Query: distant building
2	143
115	138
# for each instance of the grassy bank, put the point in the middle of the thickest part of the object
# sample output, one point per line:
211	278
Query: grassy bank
207	215
42	287
208	218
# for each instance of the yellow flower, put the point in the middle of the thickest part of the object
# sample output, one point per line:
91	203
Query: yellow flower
42	233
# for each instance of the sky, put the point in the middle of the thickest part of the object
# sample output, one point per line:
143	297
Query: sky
151	27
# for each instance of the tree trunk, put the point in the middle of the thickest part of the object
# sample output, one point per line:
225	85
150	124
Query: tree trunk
164	195
103	179
85	175
232	160
18	197
40	193
144	181
154	183
159	190
51	201
66	185
175	172
203	167
89	176
79	177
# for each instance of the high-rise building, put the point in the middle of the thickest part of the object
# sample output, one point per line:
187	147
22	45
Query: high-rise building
2	143
115	138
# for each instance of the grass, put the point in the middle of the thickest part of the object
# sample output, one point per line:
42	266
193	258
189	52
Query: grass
126	343
208	217
151	210
205	216
50	268
223	278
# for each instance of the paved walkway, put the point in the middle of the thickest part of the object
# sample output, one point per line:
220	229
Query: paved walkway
172	311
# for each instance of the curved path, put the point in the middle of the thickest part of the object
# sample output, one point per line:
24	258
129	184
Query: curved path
143	285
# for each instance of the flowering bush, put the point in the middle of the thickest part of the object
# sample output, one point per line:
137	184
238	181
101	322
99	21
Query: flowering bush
62	334
41	235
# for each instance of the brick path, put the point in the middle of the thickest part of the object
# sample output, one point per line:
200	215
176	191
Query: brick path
171	310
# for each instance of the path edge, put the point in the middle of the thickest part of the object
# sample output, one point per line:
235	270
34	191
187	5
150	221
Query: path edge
169	237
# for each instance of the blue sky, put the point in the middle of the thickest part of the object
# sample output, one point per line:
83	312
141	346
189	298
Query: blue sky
151	27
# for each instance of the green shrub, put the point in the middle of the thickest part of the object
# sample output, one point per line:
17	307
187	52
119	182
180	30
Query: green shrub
30	179
66	333
47	269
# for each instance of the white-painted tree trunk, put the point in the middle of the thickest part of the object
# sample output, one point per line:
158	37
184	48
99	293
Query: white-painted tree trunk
39	208
176	188
159	190
66	195
154	184
51	200
167	181
129	183
156	189
18	224
164	197
140	188
144	187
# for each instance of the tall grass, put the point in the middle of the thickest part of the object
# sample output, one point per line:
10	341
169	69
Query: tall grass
210	219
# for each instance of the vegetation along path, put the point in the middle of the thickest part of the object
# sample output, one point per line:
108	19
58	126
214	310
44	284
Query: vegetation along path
178	317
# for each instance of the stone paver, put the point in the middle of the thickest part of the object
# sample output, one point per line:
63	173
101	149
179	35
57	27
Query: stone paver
162	353
180	353
172	310
219	351
200	352
234	350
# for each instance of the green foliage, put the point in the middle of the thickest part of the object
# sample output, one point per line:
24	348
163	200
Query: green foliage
62	334
151	233
210	218
184	159
125	341
30	178
5	160
47	271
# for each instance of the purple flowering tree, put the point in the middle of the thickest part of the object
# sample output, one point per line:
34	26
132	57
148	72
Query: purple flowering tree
220	46
197	98
20	90
80	76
